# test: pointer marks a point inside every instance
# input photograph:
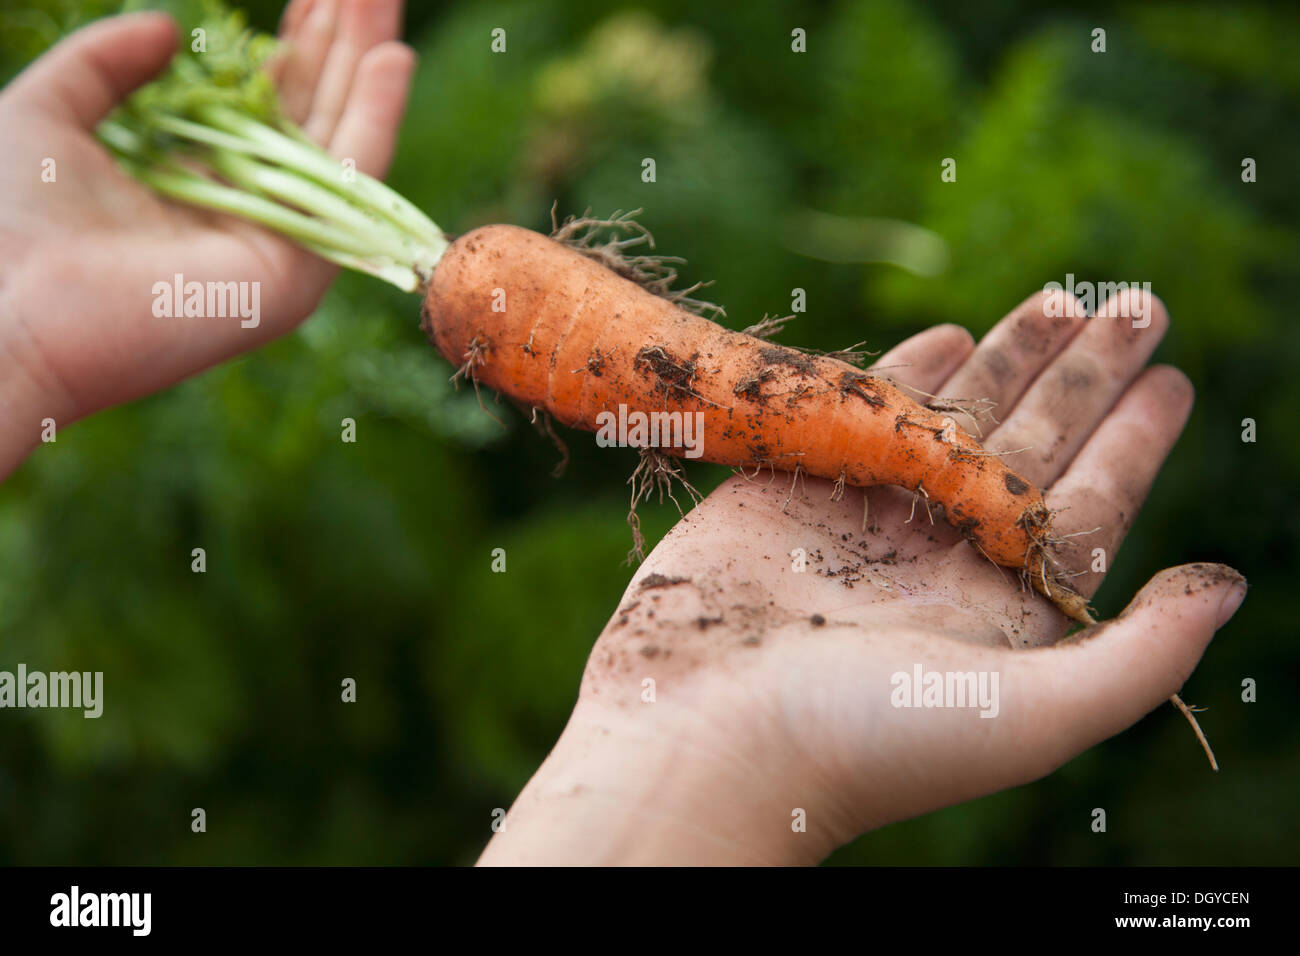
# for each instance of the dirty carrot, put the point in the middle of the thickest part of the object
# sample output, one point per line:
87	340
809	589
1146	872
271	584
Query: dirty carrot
554	330
562	327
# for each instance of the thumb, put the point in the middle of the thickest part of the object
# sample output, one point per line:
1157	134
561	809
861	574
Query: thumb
1103	680
85	75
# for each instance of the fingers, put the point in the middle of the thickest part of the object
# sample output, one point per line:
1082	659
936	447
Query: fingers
294	13
367	129
83	77
1070	398
1010	357
307	44
926	359
327	42
1095	685
1108	481
362	26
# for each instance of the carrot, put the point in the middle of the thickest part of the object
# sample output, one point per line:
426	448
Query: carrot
569	336
547	326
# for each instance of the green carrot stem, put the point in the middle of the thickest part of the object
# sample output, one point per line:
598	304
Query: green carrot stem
306	194
326	241
217	110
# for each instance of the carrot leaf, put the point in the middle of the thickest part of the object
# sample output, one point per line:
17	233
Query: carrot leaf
211	132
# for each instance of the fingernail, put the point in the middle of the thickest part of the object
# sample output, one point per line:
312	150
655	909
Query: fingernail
1231	601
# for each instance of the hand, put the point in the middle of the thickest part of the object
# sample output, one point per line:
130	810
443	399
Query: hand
772	688
79	256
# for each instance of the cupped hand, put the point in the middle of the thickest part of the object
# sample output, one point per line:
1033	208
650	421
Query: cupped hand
745	704
82	245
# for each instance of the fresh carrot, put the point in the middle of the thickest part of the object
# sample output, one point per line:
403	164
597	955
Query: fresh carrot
554	330
549	327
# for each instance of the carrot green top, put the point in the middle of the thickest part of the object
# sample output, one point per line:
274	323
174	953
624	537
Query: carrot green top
211	132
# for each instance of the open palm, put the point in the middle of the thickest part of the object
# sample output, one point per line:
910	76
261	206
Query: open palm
749	674
1068	405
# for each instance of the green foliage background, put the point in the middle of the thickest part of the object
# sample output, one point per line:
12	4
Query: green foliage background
371	560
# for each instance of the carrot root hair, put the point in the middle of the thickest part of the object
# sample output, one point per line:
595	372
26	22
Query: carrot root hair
610	241
541	420
1190	714
655	472
476	354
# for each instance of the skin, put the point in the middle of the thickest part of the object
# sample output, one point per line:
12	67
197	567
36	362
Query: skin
762	710
741	733
79	257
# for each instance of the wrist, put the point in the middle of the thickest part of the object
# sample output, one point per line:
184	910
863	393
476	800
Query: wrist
654	786
29	400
